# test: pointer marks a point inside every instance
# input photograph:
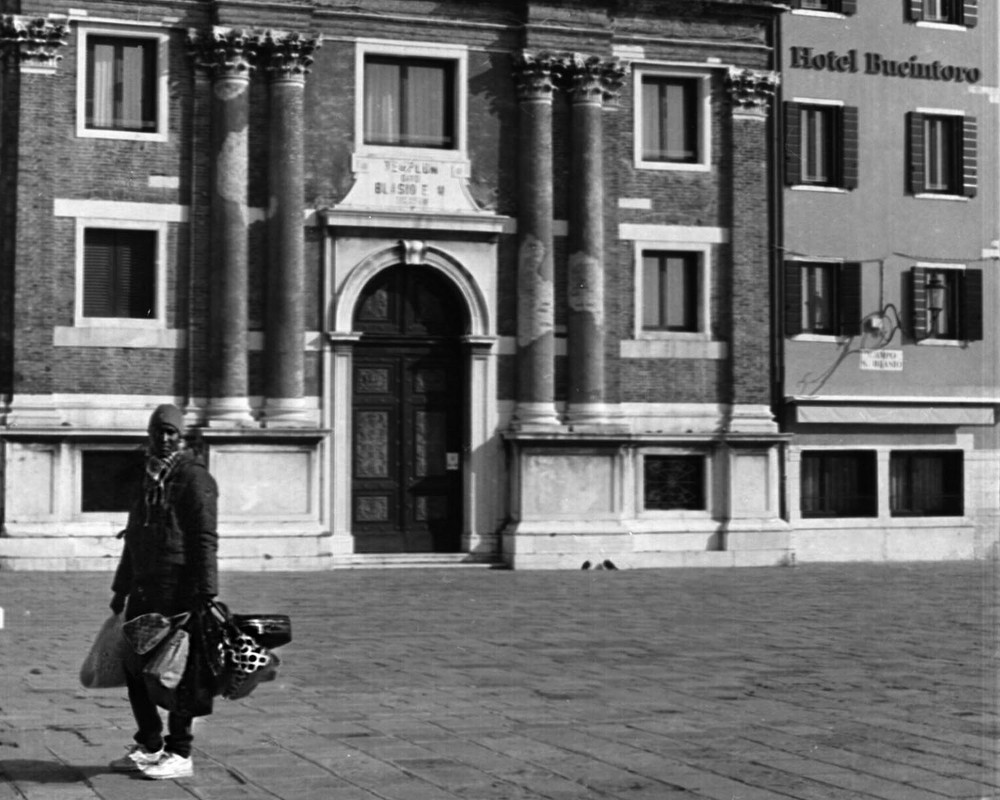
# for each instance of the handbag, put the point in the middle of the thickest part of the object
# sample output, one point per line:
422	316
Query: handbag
247	663
104	665
169	661
146	631
268	630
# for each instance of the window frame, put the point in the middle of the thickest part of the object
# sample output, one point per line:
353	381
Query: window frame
161	81
965	133
702	104
965	303
954	464
708	485
963	15
868	454
843	151
160	229
846	301
838	8
458	55
702	252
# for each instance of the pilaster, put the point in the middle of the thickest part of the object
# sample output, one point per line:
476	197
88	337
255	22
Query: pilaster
29	51
750	93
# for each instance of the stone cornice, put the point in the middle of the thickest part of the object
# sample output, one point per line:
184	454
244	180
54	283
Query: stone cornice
36	40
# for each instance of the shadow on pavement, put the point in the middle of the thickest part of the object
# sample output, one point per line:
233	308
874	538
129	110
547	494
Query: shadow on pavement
48	771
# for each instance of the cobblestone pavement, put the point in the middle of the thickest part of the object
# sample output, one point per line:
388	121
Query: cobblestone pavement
812	682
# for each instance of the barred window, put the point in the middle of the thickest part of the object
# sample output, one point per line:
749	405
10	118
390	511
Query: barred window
674	482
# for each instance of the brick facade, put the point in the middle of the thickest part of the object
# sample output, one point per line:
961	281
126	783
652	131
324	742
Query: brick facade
659	391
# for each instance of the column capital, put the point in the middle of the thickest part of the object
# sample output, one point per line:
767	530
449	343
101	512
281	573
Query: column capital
751	90
592	79
34	39
536	75
224	52
287	55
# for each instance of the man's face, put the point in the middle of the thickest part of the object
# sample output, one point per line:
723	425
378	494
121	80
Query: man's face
165	440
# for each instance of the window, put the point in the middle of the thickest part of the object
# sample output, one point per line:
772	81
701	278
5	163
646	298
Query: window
836	6
822	298
409	102
942	154
672	119
839	483
121	84
122	91
951	12
670	291
925	484
674	482
119	273
960	314
111	480
821	145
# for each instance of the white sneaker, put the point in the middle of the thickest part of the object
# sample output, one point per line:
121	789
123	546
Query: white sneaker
135	759
168	767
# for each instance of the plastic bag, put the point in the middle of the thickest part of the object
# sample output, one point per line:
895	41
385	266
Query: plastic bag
104	666
169	660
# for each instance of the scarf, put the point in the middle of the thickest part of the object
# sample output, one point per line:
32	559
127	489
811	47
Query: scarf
158	472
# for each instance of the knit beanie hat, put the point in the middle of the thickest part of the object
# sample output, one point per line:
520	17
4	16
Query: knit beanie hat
166	415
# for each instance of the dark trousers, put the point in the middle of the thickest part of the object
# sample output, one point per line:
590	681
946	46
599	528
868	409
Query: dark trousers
166	595
150	724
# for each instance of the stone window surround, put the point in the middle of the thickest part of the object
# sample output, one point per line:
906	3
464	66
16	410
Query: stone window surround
115	332
87	28
674	344
708	456
390	47
703	75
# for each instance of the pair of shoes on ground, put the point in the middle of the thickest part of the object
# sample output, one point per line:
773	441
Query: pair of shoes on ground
158	766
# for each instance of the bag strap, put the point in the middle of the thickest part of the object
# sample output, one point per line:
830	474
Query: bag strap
179	620
221	612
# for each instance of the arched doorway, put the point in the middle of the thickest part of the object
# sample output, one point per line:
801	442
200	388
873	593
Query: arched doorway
408	413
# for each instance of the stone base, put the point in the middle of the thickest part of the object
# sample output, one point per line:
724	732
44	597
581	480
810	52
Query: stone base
279	551
574	545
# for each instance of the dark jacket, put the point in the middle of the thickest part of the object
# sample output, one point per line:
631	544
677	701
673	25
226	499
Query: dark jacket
170	552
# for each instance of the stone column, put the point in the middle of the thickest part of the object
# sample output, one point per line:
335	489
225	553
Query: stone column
590	81
750	93
535	264
228	54
285	57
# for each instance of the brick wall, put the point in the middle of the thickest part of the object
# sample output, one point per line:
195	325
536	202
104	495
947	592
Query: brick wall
119	170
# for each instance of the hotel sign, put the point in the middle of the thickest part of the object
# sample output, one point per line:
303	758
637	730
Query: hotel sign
877	64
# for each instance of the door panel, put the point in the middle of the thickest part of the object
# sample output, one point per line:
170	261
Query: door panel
407	420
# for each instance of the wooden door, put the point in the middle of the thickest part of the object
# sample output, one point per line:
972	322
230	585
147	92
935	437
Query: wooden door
408	415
